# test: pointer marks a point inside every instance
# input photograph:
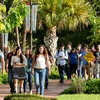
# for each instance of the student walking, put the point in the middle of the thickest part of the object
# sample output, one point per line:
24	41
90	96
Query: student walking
92	63
46	75
39	64
61	56
28	70
85	63
73	61
18	62
97	74
80	62
9	68
67	69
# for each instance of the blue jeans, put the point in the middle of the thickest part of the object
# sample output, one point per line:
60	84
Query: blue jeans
10	80
46	76
28	79
39	78
61	72
81	69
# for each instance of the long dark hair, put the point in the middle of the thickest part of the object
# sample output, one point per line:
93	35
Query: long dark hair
21	57
30	54
45	53
49	53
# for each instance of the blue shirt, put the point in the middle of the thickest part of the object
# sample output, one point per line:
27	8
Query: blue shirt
29	65
82	58
73	58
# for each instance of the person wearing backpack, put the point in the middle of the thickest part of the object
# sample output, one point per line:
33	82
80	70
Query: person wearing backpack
61	56
9	68
67	69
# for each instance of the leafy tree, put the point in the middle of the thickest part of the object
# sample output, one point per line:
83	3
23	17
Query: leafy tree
95	22
14	17
59	14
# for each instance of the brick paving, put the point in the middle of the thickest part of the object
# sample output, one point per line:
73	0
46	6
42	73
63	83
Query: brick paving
53	90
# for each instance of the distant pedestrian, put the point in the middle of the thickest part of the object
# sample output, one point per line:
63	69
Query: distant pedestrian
85	63
2	62
69	47
92	63
73	61
97	73
39	64
61	56
28	70
9	68
67	69
80	61
18	62
47	75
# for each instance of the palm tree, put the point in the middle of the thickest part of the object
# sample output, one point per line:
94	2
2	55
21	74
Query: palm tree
59	14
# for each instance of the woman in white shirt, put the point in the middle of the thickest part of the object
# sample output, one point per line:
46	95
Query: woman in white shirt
40	61
18	62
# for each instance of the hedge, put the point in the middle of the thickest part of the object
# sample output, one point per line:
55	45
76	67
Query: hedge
26	97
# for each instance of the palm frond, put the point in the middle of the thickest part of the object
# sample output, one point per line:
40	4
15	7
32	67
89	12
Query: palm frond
63	13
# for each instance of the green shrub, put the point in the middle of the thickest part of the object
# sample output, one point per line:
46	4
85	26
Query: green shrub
54	72
4	78
92	86
68	91
26	97
77	86
54	75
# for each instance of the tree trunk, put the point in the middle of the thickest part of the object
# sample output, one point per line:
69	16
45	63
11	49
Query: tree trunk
50	41
17	35
24	37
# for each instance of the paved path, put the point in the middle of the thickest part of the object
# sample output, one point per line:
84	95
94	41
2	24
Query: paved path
53	90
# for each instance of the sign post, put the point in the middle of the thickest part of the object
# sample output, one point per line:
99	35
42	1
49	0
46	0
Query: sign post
89	57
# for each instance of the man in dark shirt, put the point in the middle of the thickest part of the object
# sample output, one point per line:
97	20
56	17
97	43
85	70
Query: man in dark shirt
9	69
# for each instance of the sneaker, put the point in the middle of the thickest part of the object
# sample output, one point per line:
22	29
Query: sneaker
20	92
60	81
31	92
42	95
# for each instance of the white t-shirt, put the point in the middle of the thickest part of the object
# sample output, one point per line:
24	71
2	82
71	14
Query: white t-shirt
16	59
40	62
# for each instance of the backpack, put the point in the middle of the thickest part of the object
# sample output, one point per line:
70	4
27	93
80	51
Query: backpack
58	54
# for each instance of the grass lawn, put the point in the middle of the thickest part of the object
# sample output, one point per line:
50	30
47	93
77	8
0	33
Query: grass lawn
79	97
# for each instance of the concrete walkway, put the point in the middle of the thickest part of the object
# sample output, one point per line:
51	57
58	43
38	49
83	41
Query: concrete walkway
53	90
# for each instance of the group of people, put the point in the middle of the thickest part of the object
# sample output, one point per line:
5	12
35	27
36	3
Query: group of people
72	62
21	68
